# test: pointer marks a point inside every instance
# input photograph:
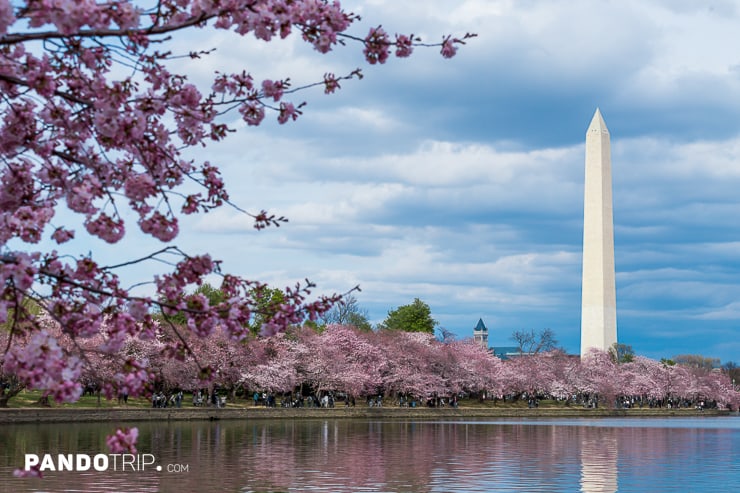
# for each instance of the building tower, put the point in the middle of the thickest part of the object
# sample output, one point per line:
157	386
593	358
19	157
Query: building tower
480	334
599	298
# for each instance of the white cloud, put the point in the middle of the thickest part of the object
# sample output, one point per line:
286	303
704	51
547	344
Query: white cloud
731	311
428	178
374	119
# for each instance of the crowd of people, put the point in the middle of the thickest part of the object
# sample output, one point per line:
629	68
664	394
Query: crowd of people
204	397
159	399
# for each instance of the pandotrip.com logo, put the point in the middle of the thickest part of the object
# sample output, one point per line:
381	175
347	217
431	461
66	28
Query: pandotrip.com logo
99	462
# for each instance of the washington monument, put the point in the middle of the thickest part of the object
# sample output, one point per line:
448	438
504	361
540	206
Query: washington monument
599	298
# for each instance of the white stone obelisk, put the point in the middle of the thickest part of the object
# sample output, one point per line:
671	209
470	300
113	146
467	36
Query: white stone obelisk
599	297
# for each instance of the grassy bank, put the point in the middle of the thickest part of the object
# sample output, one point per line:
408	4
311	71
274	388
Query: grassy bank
25	408
31	399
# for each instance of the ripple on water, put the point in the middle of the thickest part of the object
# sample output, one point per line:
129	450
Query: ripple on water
371	456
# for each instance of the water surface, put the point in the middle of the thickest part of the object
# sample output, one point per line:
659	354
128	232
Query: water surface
588	455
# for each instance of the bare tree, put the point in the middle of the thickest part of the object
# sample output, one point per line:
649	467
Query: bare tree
446	335
697	361
348	312
622	353
531	342
733	370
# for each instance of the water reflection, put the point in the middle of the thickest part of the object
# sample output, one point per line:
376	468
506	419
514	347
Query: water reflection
390	456
599	460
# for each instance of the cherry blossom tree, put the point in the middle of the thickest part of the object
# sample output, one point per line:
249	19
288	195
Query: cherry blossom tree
549	374
87	357
277	365
525	375
411	364
598	376
646	378
472	368
343	359
718	387
561	369
96	122
227	358
346	359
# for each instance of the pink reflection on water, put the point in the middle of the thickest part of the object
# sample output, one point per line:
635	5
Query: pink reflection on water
384	456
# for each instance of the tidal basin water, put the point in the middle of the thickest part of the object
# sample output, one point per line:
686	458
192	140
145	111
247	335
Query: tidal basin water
596	455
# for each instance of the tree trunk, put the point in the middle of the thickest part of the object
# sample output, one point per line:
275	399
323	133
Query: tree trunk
8	393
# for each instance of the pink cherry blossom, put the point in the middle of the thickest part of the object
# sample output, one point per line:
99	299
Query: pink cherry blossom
42	364
62	235
97	122
448	48
376	46
288	112
7	17
274	89
404	45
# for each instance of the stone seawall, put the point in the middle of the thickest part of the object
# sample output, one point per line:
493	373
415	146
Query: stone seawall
41	415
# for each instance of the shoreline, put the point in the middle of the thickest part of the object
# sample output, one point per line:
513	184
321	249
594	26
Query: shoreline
89	415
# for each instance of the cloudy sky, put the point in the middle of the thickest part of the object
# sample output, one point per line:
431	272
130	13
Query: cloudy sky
460	181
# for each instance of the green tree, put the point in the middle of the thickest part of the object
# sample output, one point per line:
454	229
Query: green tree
416	317
213	295
267	304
